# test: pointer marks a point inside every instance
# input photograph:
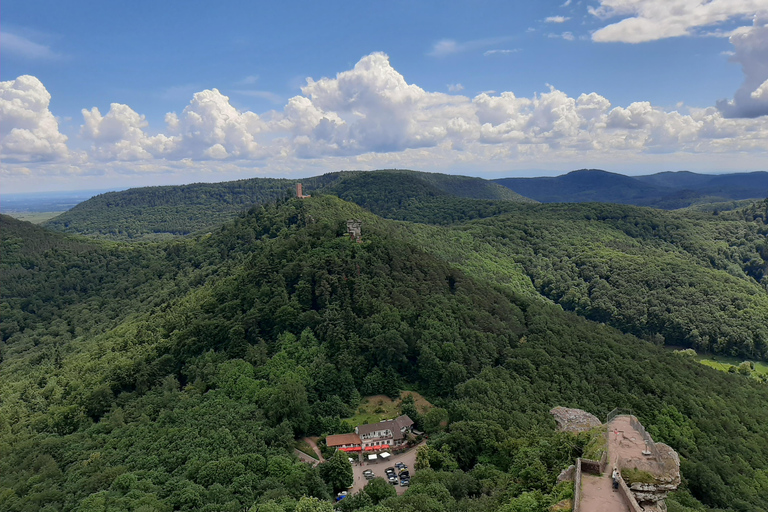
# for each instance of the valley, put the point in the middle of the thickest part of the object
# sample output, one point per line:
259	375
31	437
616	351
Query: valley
164	348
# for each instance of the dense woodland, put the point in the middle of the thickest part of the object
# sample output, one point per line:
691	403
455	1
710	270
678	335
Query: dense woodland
175	375
154	213
688	278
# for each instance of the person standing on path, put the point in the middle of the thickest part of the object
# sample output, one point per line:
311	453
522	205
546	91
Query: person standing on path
615	477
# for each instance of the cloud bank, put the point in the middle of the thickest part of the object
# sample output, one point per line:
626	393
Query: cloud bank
371	116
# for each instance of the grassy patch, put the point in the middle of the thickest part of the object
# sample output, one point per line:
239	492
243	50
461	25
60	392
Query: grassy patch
376	408
562	506
597	444
304	447
422	404
635	475
724	363
373	409
33	217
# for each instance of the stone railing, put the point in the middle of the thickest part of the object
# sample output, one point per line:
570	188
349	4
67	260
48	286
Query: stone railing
628	497
604	458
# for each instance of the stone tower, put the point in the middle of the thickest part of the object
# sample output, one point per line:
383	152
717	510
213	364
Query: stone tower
354	230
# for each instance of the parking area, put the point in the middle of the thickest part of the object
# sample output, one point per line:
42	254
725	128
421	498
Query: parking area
408	458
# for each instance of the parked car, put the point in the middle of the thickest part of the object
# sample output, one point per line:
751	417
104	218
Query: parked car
405	482
405	474
399	464
393	479
390	469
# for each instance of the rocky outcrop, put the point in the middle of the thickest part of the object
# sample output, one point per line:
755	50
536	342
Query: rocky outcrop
567	474
574	420
650	495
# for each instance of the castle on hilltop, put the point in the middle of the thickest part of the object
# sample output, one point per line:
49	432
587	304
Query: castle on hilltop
300	192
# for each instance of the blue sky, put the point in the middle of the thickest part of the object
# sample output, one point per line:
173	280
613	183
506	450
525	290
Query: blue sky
488	88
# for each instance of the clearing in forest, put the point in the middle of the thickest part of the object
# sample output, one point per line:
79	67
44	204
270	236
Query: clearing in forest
375	408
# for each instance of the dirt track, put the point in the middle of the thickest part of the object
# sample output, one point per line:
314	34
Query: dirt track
597	494
626	445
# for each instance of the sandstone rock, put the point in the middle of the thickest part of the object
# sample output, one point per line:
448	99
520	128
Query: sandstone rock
655	507
567	475
574	420
666	478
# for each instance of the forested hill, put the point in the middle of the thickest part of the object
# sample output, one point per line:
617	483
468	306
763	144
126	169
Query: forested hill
168	210
684	278
667	190
273	326
163	212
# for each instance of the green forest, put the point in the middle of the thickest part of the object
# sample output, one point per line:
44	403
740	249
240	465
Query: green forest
153	213
141	374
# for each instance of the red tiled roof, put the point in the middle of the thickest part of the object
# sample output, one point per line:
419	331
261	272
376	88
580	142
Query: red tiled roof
342	439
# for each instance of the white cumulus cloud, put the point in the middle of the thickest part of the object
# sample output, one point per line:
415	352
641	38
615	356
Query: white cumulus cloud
119	135
649	20
208	128
369	108
210	124
556	19
751	51
28	130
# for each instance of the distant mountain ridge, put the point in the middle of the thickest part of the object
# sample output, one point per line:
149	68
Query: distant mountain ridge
666	190
180	210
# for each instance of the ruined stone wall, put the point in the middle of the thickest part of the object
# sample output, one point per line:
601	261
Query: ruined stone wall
577	487
590	466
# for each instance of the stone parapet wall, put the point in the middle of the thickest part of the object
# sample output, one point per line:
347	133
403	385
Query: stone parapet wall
593	467
628	497
577	487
